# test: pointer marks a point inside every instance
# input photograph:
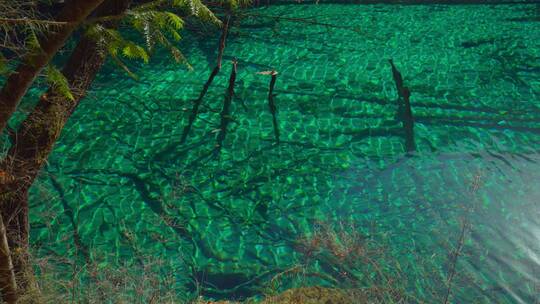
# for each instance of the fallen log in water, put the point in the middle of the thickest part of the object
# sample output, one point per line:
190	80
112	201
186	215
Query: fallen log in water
215	71
404	108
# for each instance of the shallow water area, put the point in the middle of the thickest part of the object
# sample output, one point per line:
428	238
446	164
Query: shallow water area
226	224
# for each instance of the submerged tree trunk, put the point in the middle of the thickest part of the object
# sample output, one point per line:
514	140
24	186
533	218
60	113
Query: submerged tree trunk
33	142
73	13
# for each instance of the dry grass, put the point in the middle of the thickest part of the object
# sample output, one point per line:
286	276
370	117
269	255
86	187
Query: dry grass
361	270
358	268
58	281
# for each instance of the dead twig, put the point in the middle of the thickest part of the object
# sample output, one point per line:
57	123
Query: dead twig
453	261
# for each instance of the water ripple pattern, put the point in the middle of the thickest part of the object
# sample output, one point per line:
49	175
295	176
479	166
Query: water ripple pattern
229	223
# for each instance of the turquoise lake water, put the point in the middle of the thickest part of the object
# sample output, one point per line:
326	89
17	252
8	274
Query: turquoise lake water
225	225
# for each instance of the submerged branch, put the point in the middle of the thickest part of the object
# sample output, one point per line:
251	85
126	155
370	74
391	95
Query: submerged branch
80	246
225	113
222	40
215	71
301	20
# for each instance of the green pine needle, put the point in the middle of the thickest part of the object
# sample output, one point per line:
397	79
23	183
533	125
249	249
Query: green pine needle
58	81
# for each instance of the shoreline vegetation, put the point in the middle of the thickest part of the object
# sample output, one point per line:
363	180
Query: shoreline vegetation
353	268
360	272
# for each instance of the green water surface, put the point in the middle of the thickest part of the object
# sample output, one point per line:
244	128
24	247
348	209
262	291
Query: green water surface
225	225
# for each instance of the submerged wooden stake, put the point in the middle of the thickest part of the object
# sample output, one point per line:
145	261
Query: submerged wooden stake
215	71
408	121
225	112
272	105
404	108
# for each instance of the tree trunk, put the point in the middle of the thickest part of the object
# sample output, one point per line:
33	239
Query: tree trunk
37	135
73	13
7	275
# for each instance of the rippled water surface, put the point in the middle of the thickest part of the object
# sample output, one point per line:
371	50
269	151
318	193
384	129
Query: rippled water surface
121	178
